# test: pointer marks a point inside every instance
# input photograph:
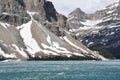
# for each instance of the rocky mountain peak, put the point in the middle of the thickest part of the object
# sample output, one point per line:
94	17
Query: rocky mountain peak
75	17
112	10
77	11
77	14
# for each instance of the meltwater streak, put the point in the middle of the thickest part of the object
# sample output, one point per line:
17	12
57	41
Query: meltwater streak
60	70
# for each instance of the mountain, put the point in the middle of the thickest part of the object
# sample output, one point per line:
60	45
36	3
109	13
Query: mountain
98	31
34	30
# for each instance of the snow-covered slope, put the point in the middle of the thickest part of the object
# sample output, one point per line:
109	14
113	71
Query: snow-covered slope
11	43
33	40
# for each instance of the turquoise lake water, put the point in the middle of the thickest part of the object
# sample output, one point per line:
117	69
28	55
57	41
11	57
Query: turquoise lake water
60	70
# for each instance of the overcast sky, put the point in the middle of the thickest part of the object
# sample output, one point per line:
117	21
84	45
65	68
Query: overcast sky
88	6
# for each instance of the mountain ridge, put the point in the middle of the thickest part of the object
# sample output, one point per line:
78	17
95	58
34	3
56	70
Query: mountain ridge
34	30
98	31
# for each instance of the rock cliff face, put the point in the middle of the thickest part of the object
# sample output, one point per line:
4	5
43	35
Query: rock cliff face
99	31
33	29
44	10
75	17
13	11
45	13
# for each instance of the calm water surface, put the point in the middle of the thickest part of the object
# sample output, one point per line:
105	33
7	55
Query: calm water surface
60	70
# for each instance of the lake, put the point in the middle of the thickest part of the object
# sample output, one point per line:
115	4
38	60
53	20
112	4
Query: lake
60	70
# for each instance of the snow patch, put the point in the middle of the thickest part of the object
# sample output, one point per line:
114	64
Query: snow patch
30	42
111	11
55	44
49	52
5	25
12	55
90	43
68	55
78	54
6	13
20	51
72	44
70	18
32	13
91	22
49	40
112	33
57	49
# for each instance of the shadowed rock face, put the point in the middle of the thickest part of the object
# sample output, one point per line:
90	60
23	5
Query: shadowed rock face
100	30
51	12
21	2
